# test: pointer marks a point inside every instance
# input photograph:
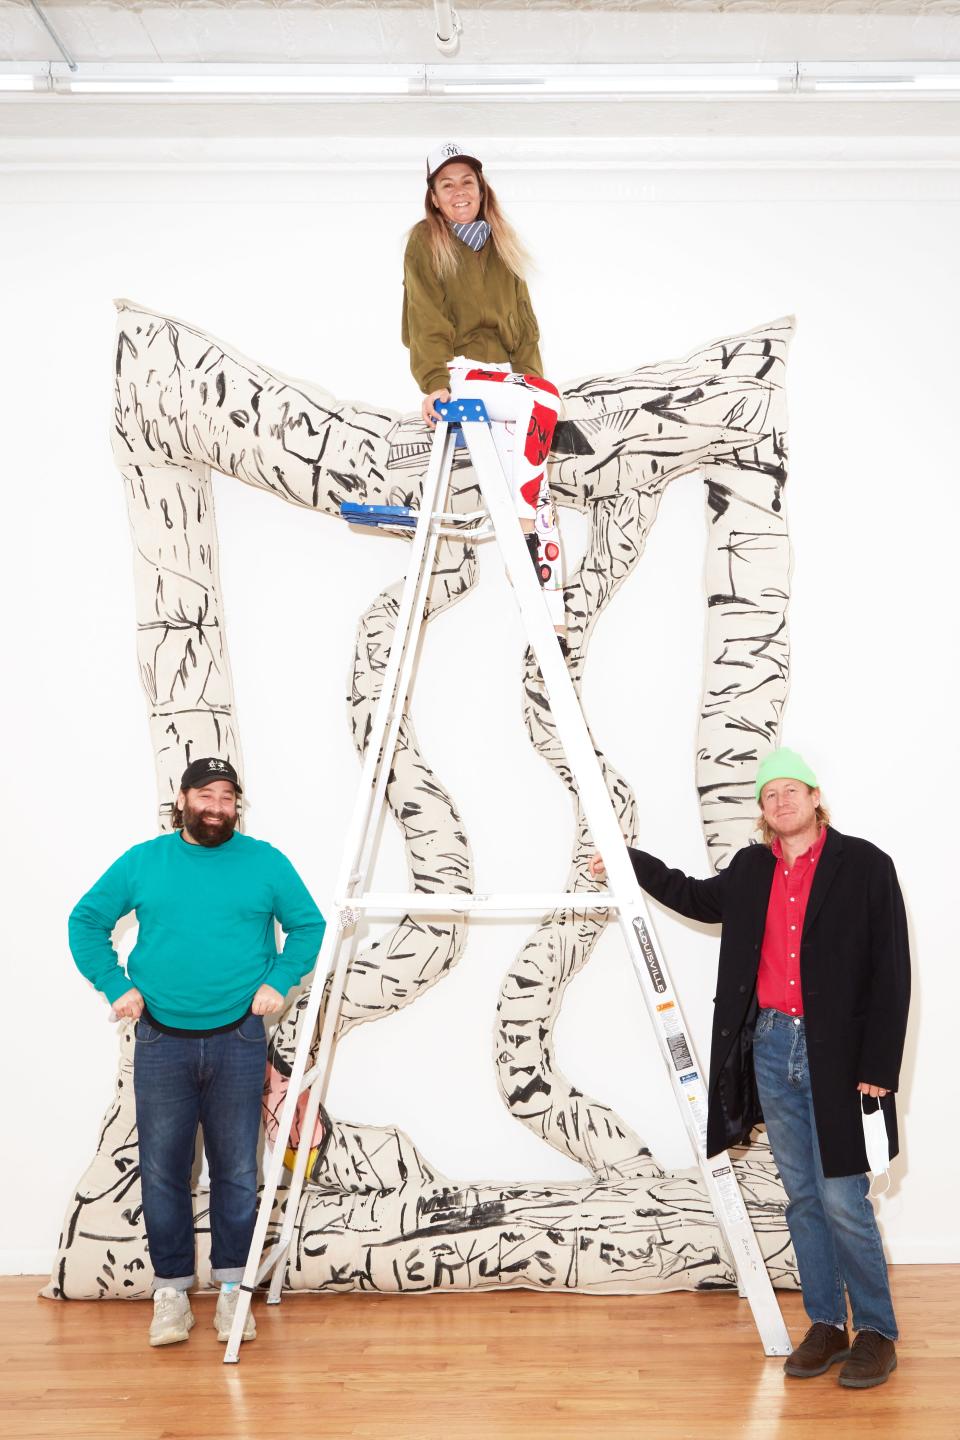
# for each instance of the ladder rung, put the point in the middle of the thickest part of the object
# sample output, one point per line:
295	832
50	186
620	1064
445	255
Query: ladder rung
466	517
524	904
275	1253
457	532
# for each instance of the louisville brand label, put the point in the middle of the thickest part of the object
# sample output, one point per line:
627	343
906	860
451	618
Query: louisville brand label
651	959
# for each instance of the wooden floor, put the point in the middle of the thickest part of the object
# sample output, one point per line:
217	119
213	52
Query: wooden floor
458	1367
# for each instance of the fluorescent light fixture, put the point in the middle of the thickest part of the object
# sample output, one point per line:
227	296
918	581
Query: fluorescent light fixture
234	85
17	82
23	78
555	84
921	78
607	82
253	81
460	82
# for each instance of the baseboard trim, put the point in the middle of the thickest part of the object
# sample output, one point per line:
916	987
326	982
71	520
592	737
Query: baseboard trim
27	1262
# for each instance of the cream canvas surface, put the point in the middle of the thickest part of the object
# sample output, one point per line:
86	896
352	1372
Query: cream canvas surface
379	1214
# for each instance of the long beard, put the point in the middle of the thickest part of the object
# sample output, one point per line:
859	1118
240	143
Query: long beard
207	829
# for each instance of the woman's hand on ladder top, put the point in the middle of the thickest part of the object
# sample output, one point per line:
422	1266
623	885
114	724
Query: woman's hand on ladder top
427	410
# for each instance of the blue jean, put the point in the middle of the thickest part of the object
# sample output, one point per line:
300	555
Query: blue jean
180	1084
831	1222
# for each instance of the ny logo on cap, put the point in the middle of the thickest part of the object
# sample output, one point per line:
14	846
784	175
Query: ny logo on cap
450	151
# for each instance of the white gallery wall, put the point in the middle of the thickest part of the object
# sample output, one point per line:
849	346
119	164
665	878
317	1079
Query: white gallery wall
292	251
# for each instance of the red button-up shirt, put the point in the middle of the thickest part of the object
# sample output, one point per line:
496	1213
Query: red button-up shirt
778	980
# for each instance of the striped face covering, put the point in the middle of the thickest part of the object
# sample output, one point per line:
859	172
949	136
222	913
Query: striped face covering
476	234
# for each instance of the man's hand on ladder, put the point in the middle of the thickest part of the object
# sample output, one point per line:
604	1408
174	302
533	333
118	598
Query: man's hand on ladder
597	867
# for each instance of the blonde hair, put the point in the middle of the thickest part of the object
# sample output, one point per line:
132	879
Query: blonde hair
444	250
768	835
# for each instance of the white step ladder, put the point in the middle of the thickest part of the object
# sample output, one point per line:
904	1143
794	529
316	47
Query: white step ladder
469	418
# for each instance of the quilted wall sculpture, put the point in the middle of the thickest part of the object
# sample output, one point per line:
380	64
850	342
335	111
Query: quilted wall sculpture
377	1214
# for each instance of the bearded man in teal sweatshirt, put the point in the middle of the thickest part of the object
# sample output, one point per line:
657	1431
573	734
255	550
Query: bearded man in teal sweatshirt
203	973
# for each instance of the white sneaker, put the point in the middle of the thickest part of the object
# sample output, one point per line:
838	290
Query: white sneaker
226	1310
172	1317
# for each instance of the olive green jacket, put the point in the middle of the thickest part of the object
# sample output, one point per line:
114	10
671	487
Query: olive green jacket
482	311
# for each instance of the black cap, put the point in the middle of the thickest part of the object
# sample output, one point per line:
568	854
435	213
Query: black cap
202	772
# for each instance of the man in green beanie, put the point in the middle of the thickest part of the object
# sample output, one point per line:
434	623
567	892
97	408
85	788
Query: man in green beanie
813	988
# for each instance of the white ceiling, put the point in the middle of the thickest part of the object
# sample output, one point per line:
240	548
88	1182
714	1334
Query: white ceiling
494	31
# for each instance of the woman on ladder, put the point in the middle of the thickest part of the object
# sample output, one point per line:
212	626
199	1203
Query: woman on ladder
465	296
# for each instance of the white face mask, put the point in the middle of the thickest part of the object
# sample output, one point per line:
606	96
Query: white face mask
875	1139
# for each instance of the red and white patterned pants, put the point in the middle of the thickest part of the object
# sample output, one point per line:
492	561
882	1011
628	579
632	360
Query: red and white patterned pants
521	406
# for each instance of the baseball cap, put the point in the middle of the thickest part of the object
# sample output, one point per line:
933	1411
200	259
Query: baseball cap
202	772
441	155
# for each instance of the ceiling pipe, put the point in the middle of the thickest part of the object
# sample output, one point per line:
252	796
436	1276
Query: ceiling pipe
68	58
449	29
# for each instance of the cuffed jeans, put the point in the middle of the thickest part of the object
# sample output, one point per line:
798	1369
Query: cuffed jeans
180	1084
831	1222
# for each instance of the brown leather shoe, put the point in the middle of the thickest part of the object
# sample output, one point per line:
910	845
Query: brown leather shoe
873	1360
821	1347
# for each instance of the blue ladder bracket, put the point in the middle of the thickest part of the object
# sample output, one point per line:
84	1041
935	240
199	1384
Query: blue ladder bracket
456	411
379	515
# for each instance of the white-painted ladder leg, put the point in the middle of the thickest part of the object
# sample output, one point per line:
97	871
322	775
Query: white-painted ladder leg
404	645
280	1256
334	956
673	1037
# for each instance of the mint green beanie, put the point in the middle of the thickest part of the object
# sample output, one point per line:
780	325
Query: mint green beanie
784	765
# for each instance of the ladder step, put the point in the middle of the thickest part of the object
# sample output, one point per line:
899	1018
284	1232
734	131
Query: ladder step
531	903
379	515
456	411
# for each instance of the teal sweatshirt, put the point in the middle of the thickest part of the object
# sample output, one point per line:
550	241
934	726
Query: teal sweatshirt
206	939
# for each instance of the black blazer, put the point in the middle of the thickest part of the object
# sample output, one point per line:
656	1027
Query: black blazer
854	973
